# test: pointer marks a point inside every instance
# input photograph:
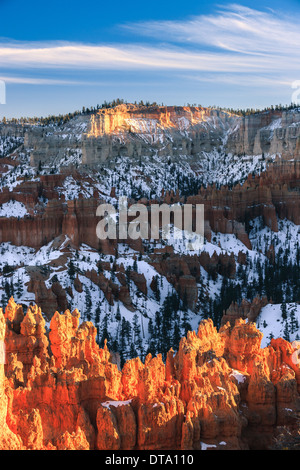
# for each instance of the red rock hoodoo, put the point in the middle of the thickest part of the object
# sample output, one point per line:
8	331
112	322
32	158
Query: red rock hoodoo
220	390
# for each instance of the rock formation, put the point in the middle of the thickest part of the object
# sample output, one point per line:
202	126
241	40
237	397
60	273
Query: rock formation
60	391
276	132
137	131
247	310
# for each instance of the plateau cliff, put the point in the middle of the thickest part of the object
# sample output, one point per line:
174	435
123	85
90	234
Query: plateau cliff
140	132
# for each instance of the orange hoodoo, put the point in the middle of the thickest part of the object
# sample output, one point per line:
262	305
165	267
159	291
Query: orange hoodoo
59	390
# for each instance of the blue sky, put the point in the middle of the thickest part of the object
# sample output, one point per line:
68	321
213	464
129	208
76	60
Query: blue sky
58	56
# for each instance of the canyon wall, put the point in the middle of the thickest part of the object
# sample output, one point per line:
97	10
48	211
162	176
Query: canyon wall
273	194
137	131
226	210
276	132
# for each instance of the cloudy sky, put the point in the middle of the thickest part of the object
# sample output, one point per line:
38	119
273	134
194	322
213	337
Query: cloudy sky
58	56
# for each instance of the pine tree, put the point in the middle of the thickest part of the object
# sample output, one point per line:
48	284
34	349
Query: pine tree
118	314
88	304
283	311
97	319
151	348
19	287
133	352
157	330
135	265
71	270
123	335
156	289
137	336
136	327
176	335
293	320
105	335
286	333
150	328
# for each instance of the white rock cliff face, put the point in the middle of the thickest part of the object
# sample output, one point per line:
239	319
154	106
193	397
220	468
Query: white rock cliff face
269	133
137	132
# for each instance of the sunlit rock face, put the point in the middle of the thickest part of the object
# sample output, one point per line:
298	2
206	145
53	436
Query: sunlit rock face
137	131
219	390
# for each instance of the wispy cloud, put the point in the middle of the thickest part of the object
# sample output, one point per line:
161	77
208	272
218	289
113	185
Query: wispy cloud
236	39
234	28
129	57
239	79
22	80
38	81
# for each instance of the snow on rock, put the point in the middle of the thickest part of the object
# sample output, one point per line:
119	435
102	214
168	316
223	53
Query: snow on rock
276	124
240	378
115	403
272	324
13	209
206	446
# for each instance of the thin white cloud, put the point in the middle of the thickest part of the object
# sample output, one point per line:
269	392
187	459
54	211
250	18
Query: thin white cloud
54	81
38	81
235	40
133	57
240	80
235	28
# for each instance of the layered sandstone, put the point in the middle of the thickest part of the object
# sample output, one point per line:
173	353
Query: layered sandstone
272	132
61	391
227	210
136	131
269	196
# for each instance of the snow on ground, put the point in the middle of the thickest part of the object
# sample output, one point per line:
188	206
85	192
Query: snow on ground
225	169
276	124
72	188
8	144
71	157
271	323
151	175
22	255
15	175
288	235
13	209
15	261
15	255
19	279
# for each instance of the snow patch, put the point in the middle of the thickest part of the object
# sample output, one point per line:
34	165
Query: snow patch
13	209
